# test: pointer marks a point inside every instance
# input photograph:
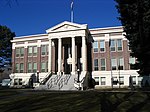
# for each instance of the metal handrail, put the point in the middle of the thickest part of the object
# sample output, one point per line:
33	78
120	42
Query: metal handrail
67	78
60	84
64	81
24	82
45	79
57	78
50	83
80	82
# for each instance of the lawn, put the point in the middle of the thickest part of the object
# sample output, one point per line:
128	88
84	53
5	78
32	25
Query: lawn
18	100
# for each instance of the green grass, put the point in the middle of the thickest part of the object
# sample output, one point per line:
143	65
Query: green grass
17	100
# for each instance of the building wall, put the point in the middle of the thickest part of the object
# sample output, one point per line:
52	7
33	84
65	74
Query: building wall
105	34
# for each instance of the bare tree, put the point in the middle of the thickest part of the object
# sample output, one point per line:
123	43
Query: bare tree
8	2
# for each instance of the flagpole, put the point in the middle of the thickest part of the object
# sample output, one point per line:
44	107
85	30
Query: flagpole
72	13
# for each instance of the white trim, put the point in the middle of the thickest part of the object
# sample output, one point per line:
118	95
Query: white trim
77	26
30	37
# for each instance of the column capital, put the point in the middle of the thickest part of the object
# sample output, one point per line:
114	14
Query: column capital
107	37
49	39
72	36
39	43
26	44
13	45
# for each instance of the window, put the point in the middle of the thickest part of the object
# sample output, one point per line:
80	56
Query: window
96	64
47	66
95	46
21	67
114	64
20	51
17	81
103	64
17	68
119	44
103	80
132	62
115	80
102	45
47	48
113	45
29	51
134	80
34	67
43	66
96	80
43	49
17	52
140	81
34	50
120	64
121	82
29	67
20	81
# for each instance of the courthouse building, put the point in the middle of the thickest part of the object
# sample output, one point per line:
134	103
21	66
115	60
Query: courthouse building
69	48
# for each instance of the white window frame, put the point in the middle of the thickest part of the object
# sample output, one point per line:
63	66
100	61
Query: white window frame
97	82
102	65
21	67
30	50
17	67
34	67
95	46
112	63
118	45
35	50
96	65
112	46
21	52
119	64
103	45
42	67
121	80
132	61
29	68
103	80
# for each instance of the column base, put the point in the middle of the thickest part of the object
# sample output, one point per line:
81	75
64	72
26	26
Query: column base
60	73
82	75
73	73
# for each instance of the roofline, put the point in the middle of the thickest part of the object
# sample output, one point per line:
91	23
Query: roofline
36	35
105	28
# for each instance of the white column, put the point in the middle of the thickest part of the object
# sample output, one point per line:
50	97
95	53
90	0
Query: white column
73	55
59	54
50	56
84	54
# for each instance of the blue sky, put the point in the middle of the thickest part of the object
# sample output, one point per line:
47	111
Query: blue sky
35	16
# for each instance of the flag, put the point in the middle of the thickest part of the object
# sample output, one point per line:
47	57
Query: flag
72	5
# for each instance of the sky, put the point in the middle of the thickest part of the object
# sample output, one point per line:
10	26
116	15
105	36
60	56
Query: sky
30	17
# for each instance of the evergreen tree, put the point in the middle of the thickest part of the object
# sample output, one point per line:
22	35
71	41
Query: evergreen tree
5	45
135	18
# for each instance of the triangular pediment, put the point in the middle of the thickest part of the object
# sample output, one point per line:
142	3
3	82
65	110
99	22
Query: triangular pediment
66	26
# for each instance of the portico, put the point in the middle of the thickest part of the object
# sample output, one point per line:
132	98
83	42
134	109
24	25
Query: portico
70	42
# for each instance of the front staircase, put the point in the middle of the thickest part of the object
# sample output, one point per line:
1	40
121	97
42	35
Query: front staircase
58	82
